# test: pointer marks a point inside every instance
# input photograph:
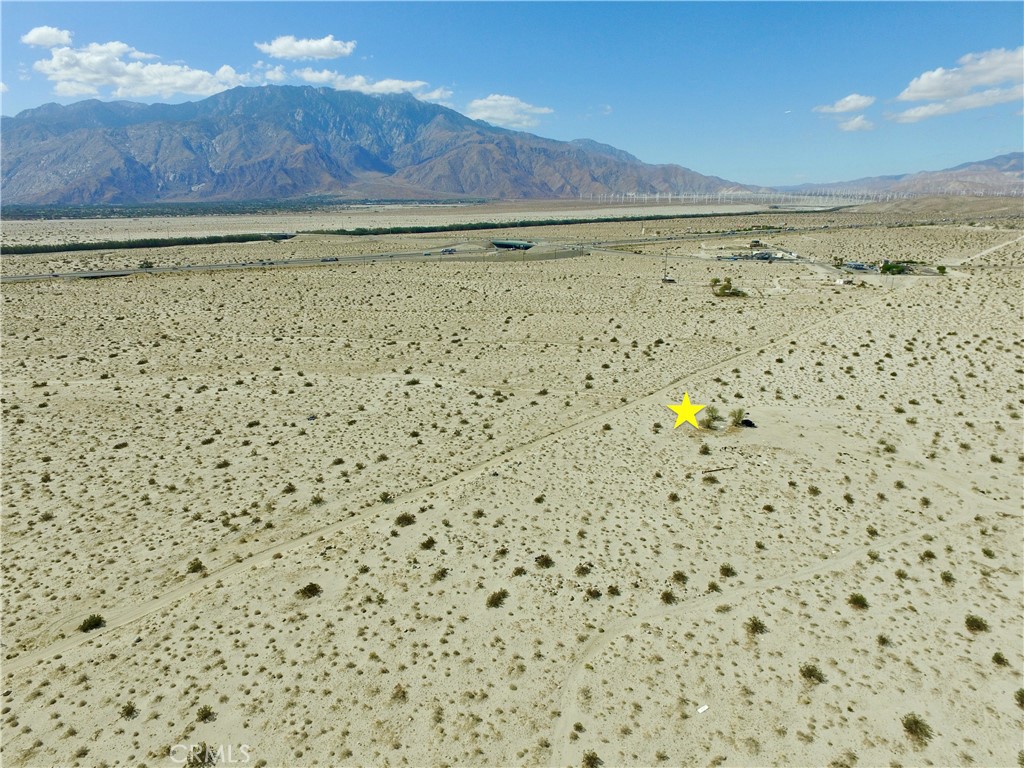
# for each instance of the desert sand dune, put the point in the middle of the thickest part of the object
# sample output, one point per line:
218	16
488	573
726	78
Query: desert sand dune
419	513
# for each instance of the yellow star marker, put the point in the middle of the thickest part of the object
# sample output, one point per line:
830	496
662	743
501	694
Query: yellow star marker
686	411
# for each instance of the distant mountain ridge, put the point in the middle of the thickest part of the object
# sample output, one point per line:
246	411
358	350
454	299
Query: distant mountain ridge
1002	175
288	142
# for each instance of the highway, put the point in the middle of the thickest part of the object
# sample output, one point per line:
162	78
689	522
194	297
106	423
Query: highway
403	255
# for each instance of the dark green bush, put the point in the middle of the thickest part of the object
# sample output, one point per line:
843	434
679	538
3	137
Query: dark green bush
94	621
495	599
310	590
917	729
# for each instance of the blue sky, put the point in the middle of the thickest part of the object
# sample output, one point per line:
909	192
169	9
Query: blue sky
767	93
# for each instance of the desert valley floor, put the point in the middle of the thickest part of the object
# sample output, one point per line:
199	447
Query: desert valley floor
435	512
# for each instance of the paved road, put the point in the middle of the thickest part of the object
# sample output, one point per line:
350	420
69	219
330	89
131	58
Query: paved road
404	256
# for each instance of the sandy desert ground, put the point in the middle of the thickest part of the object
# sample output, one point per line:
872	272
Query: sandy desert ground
436	513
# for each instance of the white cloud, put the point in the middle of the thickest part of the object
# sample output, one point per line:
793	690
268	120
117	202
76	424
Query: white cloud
976	70
3	87
116	69
288	47
976	100
852	103
275	74
46	37
358	82
438	95
858	123
116	65
968	86
507	111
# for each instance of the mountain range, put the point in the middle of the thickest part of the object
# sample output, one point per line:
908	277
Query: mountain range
284	142
1002	175
275	142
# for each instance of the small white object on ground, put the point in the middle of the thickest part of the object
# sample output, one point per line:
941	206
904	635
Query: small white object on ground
702	708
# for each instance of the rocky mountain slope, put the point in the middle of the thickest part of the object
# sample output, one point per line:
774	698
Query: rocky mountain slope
277	142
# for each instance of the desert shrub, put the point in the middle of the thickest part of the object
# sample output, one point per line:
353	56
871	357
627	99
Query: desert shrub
519	571
310	590
673	497
814	490
726	570
1019	697
428	543
811	673
858	601
926	555
405	519
440	574
704	449
593	593
495	599
591	760
736	416
196	566
883	641
129	711
583	569
386	497
543	561
755	626
917	729
290	488
975	623
947	577
201	755
872	531
679	577
93	621
999	660
613	590
668	597
205	714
